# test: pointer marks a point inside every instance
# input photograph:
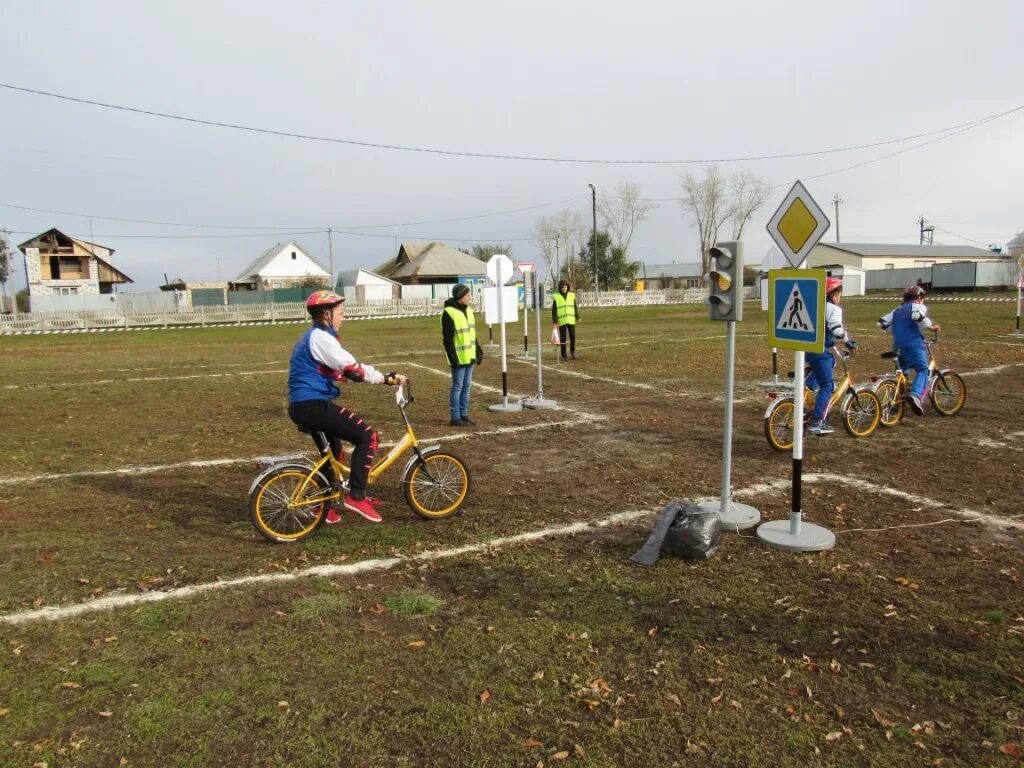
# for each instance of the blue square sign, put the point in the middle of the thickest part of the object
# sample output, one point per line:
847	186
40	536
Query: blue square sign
796	309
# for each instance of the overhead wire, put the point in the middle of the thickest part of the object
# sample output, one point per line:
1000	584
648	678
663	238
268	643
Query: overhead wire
496	155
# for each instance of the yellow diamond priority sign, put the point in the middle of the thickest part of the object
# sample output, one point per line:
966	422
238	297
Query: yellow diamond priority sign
797	225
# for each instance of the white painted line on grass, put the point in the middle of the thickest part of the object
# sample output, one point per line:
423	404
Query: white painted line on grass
915	498
112	602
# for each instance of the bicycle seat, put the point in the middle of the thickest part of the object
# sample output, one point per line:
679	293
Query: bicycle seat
890	355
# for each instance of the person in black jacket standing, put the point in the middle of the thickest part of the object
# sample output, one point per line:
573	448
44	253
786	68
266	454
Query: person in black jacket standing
458	330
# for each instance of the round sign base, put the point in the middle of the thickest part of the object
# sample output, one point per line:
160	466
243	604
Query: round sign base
526	356
811	538
739	518
538	403
505	408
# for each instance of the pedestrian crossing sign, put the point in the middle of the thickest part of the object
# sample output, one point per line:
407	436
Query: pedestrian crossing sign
796	309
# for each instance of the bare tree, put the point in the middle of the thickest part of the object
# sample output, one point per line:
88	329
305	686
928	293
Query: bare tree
559	235
714	200
749	193
704	200
622	212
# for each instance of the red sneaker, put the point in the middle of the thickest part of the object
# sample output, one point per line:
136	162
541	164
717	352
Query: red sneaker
377	503
332	516
362	507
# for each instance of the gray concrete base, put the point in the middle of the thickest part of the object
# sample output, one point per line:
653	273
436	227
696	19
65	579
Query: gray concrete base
538	403
778	534
739	518
505	408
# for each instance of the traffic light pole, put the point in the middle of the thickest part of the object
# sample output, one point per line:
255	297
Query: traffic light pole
726	300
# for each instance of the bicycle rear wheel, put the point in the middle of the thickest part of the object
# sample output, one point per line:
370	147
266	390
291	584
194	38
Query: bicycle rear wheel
861	413
277	514
436	485
778	424
891	403
949	393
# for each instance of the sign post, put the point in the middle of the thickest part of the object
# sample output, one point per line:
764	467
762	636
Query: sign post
526	268
796	320
1020	289
499	270
537	402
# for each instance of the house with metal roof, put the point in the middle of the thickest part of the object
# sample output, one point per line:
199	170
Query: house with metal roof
361	285
663	277
60	265
871	256
281	266
432	263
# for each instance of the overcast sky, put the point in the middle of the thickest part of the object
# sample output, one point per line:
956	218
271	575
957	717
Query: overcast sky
642	80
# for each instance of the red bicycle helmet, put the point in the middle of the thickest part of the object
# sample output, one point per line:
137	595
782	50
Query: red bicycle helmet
832	284
914	292
323	300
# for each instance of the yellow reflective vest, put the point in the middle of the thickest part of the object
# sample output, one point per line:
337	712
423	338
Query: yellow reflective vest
465	334
565	308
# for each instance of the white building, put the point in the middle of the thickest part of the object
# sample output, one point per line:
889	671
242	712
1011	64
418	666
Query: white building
282	266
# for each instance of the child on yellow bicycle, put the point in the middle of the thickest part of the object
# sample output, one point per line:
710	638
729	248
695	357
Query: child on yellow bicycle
907	324
822	364
318	362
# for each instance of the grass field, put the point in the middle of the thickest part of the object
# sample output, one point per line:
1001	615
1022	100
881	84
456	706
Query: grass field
124	476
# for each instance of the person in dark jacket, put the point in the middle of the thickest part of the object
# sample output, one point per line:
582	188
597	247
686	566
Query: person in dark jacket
565	314
458	330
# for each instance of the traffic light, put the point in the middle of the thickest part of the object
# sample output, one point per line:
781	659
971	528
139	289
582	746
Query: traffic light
725	292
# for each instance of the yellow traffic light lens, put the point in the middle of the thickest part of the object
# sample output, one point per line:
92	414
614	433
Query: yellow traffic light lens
722	281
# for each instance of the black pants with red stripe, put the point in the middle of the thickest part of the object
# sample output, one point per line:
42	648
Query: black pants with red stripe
340	424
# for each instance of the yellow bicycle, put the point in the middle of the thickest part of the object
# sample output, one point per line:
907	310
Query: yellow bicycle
945	389
860	408
289	501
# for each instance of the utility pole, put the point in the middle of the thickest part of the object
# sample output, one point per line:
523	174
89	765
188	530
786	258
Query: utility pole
929	229
836	200
330	250
593	242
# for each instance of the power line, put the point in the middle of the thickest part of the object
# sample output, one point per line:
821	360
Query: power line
297	227
494	155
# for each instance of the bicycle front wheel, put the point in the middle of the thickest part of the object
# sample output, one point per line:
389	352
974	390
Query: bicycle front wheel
891	403
436	485
949	393
276	512
861	413
778	424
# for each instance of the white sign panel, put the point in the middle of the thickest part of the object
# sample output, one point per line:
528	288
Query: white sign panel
509	305
499	269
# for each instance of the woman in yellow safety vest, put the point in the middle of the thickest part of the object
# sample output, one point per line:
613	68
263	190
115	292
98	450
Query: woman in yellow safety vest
565	315
458	329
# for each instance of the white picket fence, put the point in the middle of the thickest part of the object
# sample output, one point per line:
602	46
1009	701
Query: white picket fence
98	321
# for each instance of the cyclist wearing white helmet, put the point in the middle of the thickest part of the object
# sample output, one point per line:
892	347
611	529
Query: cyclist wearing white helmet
822	364
907	324
318	362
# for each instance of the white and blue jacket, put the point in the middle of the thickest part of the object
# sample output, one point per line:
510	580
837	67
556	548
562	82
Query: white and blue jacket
318	361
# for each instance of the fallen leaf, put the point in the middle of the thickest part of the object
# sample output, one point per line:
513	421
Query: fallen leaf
531	743
718	698
834	736
106	713
882	720
618	723
538	675
674	699
485	695
1011	748
563	755
579	751
39	765
282	704
5	711
378	608
122	762
417	643
69	685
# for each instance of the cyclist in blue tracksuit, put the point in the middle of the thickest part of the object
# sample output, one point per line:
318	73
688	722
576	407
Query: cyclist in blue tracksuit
907	324
318	362
822	364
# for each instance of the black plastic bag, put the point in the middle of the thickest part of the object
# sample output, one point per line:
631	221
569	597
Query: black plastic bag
682	529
